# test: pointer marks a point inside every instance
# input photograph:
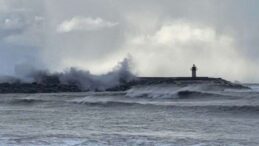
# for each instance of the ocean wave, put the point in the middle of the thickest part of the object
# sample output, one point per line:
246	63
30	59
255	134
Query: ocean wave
108	103
24	101
186	94
220	106
198	106
189	91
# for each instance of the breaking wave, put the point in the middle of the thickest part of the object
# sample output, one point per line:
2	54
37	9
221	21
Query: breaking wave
171	91
200	106
192	97
79	80
185	100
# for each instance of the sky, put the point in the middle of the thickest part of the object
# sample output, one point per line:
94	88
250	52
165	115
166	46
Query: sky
160	37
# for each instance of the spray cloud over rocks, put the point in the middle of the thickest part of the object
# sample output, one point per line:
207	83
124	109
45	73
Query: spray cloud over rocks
84	80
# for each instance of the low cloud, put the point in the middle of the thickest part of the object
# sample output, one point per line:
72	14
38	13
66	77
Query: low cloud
84	24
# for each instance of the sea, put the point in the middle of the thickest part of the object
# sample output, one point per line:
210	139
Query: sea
150	115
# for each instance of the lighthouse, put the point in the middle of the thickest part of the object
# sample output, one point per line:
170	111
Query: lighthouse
194	70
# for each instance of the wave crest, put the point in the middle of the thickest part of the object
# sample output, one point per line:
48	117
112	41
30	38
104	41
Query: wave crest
217	108
164	91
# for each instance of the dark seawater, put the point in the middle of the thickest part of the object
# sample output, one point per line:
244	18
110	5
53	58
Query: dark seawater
159	115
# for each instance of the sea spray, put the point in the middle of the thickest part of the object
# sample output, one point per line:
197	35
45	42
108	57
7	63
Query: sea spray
83	79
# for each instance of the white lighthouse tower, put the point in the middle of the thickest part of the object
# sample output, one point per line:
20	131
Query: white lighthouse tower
194	70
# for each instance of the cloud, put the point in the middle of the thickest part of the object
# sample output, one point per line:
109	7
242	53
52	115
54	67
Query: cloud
170	34
176	45
84	24
11	26
21	34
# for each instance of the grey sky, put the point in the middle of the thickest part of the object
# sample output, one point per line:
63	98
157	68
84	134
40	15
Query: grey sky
162	37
